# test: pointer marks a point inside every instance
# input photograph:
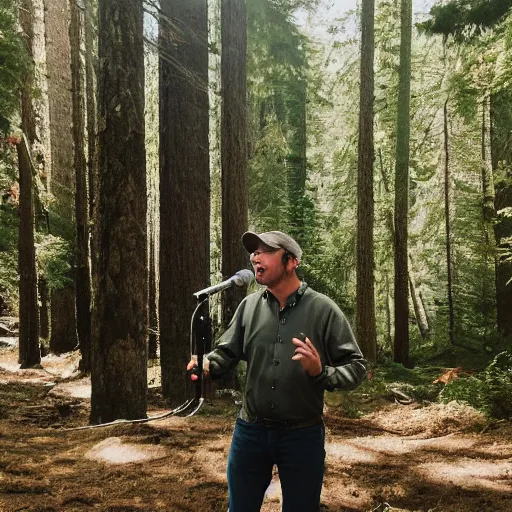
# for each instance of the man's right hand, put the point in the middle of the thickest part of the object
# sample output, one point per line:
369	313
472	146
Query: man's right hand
193	368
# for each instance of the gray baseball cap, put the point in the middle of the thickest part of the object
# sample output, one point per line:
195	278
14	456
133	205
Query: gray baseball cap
275	239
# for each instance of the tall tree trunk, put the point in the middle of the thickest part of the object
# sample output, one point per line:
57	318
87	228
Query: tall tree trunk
90	23
152	170
184	182
119	355
365	294
501	152
42	147
63	336
419	311
401	346
42	144
488	216
29	349
82	278
447	216
233	147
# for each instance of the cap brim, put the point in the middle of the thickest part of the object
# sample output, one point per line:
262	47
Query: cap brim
251	241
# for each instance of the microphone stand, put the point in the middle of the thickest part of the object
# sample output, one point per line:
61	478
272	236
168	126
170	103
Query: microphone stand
200	342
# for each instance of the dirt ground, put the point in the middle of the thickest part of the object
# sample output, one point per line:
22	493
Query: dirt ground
398	458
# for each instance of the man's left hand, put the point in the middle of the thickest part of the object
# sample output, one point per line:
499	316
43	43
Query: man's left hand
308	356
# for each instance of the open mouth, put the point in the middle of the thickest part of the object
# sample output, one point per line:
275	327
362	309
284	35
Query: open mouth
260	271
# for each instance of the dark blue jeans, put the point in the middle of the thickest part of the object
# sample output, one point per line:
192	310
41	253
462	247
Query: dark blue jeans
299	455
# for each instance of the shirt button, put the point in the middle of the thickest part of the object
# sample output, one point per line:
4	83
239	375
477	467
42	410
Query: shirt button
276	362
279	339
272	406
272	387
283	320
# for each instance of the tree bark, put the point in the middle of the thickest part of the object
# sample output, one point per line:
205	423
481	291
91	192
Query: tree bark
365	294
401	346
184	182
82	277
119	350
90	94
29	350
63	336
447	217
233	148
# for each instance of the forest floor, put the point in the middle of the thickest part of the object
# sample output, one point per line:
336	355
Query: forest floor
417	457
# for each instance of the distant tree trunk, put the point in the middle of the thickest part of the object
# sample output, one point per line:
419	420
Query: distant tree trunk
152	170
42	147
487	177
501	152
233	147
90	94
184	182
401	347
63	336
425	310
365	294
487	303
83	278
419	313
119	355
389	301
152	298
29	351
44	312
447	216
296	160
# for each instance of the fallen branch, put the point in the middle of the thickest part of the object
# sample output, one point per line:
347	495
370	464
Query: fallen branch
402	399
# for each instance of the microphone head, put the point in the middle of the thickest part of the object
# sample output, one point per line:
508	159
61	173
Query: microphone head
243	277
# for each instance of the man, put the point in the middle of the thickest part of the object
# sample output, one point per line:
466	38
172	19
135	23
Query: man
297	343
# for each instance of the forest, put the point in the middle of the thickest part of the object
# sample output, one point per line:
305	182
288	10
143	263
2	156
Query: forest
139	139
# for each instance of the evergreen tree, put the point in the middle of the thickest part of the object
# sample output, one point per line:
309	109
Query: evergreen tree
233	146
184	182
119	350
401	347
365	308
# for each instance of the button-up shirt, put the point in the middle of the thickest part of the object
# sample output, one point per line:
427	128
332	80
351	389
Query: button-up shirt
261	333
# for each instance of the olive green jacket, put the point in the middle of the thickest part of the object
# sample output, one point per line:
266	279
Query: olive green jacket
277	387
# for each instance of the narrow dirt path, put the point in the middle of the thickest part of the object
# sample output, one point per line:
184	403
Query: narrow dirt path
407	458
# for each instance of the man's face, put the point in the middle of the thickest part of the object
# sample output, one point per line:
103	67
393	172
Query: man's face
268	266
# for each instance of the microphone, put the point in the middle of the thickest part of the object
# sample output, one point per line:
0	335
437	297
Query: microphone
241	278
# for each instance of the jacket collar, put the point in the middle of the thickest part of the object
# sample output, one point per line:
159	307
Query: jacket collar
292	299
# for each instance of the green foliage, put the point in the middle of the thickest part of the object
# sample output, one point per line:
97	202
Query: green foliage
52	253
14	63
464	19
489	391
9	255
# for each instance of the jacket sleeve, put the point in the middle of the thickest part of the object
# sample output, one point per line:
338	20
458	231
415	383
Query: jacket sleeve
229	349
345	367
